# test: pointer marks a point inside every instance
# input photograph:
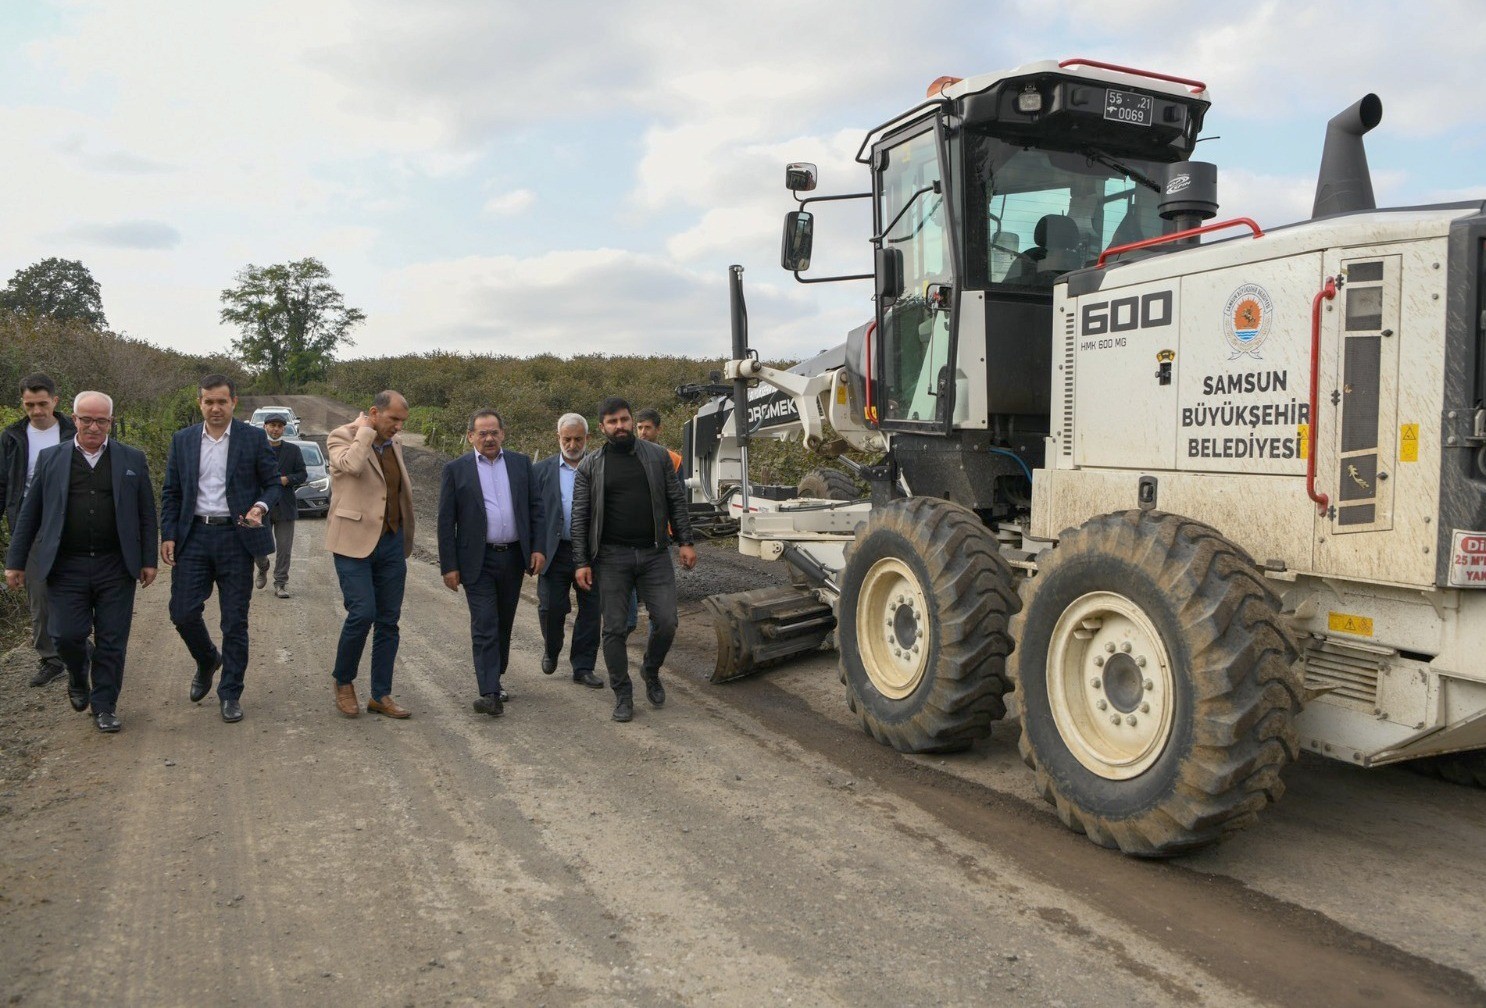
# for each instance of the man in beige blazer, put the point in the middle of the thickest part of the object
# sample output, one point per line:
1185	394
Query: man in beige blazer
369	531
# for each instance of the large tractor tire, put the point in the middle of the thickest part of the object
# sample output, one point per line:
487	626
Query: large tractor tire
923	626
1465	768
1156	684
828	484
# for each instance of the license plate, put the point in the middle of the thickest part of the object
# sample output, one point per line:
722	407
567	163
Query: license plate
1129	107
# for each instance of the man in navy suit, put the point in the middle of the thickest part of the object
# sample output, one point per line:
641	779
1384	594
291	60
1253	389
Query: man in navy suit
220	480
489	516
87	528
554	477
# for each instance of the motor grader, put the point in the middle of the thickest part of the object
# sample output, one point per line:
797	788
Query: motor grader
1184	497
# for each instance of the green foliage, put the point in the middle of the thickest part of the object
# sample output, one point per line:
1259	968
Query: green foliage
292	321
62	290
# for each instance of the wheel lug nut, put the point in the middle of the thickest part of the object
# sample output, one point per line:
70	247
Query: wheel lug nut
1109	646
1140	660
1114	719
1130	720
1098	661
1145	708
1102	705
1148	685
1096	682
1125	646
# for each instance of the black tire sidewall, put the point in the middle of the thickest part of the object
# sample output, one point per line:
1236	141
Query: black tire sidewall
1056	591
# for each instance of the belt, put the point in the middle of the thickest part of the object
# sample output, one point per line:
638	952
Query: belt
214	520
499	547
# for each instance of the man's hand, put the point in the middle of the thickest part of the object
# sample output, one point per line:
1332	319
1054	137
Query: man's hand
15	580
688	556
147	576
451	581
283	481
167	552
362	420
584	578
538	561
255	514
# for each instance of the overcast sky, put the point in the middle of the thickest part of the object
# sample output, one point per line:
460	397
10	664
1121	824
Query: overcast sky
502	177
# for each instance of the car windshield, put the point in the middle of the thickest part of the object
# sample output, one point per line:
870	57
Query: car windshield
312	456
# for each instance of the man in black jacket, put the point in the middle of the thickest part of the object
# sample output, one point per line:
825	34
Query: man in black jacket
624	497
292	475
21	445
88	530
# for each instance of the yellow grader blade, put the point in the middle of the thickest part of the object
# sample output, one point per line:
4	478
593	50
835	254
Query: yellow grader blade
766	626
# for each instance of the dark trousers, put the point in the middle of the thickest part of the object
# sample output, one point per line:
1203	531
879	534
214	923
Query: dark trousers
41	623
492	599
371	588
92	595
554	601
214	556
621	569
283	550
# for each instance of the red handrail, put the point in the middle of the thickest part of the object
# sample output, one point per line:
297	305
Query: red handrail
1326	293
1115	250
868	412
1196	85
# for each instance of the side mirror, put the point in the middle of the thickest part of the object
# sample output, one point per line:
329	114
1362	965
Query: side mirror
799	238
799	177
888	265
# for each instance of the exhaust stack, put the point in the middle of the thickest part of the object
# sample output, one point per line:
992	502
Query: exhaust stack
1345	184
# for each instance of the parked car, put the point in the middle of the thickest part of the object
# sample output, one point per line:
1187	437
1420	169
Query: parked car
262	413
313	498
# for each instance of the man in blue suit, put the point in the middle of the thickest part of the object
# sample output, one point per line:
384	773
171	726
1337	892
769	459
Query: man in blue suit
489	516
220	480
87	527
554	477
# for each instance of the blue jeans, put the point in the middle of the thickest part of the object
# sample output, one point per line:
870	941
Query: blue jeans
372	588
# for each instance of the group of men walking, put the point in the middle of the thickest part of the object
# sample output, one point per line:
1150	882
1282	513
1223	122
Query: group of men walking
595	526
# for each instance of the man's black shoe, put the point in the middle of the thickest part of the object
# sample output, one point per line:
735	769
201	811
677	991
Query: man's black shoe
549	665
77	691
201	683
232	711
588	679
655	693
624	710
505	697
490	704
106	721
49	670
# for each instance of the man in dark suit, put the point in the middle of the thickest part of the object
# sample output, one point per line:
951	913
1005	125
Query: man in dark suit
489	517
554	477
282	515
87	530
220	481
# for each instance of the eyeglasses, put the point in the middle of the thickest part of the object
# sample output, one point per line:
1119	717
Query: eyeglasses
484	435
87	421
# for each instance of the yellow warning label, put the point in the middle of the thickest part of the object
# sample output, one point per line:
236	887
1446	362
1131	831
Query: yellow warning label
1347	623
1303	433
1408	442
841	394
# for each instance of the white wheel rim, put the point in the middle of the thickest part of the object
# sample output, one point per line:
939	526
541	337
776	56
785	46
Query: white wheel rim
892	621
1110	686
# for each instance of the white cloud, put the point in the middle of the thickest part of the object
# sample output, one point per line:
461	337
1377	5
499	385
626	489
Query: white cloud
514	202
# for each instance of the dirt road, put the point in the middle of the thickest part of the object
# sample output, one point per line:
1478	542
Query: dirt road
744	845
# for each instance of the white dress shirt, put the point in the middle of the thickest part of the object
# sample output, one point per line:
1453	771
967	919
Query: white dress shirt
211	479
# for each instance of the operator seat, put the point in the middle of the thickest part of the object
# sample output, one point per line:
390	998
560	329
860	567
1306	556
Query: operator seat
1055	252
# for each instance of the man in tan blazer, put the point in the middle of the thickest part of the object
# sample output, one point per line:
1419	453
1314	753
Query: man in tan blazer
369	530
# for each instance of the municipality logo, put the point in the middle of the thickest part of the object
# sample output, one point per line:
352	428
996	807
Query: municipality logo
1246	320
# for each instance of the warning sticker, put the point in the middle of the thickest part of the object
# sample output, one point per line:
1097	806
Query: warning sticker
1468	560
1303	436
1360	626
1408	442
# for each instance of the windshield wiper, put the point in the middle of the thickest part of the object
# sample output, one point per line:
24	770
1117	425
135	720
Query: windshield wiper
1123	169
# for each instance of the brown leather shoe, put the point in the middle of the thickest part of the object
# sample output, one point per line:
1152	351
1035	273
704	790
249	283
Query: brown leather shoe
388	706
345	700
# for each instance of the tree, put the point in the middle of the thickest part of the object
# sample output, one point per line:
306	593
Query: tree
291	320
60	289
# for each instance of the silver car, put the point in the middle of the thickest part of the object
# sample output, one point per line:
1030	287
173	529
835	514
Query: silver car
313	498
